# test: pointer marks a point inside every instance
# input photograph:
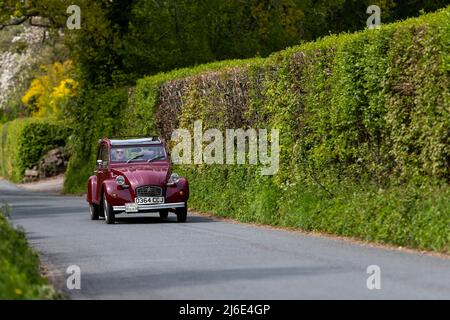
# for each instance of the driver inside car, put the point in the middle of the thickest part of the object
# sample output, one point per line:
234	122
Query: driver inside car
119	155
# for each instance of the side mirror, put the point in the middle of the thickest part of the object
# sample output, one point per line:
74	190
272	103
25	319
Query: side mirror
99	163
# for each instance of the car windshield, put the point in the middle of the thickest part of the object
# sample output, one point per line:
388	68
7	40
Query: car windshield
137	153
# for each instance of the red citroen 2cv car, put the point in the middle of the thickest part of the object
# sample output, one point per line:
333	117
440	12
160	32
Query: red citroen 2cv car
133	176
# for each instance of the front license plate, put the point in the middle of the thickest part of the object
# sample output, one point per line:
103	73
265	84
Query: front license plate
150	200
131	207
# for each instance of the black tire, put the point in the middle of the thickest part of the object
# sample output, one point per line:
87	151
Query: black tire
94	211
108	211
164	214
181	214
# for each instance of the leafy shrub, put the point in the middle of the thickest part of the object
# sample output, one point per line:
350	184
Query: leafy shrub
49	93
25	140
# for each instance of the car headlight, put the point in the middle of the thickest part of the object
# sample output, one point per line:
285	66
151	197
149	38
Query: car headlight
120	180
174	178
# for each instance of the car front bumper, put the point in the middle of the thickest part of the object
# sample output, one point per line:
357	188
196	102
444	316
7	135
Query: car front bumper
152	207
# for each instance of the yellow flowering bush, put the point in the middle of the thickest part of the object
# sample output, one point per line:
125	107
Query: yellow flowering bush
50	92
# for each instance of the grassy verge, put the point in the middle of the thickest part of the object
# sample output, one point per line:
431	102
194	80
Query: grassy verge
19	264
414	214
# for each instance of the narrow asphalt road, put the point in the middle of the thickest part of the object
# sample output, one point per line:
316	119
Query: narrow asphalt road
143	258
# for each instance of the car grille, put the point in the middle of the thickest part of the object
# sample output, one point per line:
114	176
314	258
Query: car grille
149	191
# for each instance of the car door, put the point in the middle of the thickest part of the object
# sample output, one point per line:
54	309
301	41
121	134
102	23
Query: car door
102	168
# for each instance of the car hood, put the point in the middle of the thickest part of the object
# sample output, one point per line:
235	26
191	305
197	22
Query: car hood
138	176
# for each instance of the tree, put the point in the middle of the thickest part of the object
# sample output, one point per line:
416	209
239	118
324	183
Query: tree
120	41
48	13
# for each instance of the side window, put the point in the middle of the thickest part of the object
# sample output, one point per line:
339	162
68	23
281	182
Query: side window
103	154
99	153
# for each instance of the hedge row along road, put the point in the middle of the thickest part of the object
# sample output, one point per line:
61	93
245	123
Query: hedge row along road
144	258
24	141
363	120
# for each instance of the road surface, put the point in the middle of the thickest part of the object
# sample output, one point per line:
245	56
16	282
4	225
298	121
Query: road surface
210	259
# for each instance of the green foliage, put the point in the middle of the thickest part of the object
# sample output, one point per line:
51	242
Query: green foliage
121	41
183	33
6	36
20	277
417	97
98	114
147	92
12	11
25	141
414	214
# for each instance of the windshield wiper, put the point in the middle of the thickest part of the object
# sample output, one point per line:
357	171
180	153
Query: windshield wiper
156	158
135	157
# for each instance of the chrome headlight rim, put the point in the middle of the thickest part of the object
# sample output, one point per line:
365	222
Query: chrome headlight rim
174	178
120	180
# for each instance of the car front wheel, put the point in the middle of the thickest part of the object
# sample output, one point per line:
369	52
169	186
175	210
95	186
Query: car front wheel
181	214
108	211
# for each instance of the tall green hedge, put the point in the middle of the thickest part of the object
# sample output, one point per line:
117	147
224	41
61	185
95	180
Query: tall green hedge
24	141
365	139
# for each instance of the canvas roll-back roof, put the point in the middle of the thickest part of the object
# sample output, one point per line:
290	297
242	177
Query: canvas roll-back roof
122	142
